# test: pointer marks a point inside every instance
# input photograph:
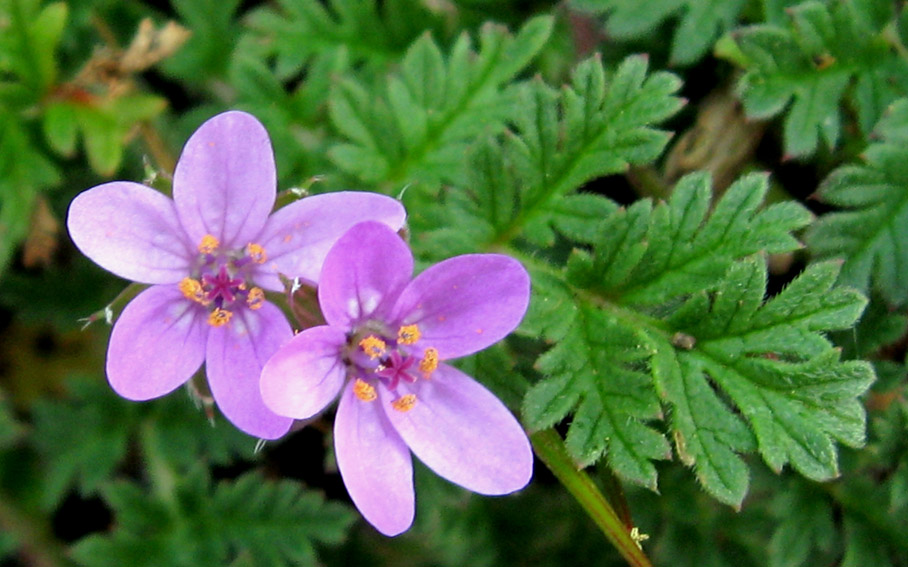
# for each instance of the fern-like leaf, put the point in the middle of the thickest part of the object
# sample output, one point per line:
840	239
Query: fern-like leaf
598	125
700	22
416	124
666	317
248	521
829	53
871	232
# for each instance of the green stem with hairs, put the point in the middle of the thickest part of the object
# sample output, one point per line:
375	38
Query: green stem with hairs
549	447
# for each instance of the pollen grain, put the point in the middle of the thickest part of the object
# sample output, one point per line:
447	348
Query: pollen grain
219	317
192	289
408	334
373	346
256	298
429	362
256	252
364	391
404	403
209	244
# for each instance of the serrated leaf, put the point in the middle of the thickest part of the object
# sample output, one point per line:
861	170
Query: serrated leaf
828	54
700	22
302	33
706	434
870	233
597	126
686	317
428	112
256	522
597	368
685	250
796	396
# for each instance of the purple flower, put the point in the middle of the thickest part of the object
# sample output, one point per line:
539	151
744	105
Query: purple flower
382	350
211	253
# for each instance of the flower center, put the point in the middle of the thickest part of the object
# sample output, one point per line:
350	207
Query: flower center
221	279
377	356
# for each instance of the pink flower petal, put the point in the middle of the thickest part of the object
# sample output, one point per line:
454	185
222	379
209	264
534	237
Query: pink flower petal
466	303
464	433
225	182
235	356
297	237
157	343
306	374
363	274
375	464
130	230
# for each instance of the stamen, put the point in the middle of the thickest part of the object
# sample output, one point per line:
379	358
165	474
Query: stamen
219	317
364	391
408	334
404	403
192	289
429	362
256	298
373	346
256	252
209	244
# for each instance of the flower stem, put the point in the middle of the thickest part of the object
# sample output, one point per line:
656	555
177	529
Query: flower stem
549	447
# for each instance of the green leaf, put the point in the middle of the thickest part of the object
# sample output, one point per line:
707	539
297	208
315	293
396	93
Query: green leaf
206	54
61	127
106	127
29	41
415	125
870	232
24	171
249	520
299	33
700	22
707	436
805	524
863	546
80	442
830	54
596	126
649	255
668	307
785	379
598	372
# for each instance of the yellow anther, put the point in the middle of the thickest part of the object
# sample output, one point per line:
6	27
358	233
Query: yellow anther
219	317
364	391
256	252
408	334
256	298
429	361
209	244
192	289
404	403
373	346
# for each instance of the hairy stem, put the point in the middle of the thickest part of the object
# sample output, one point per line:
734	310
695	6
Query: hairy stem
549	447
